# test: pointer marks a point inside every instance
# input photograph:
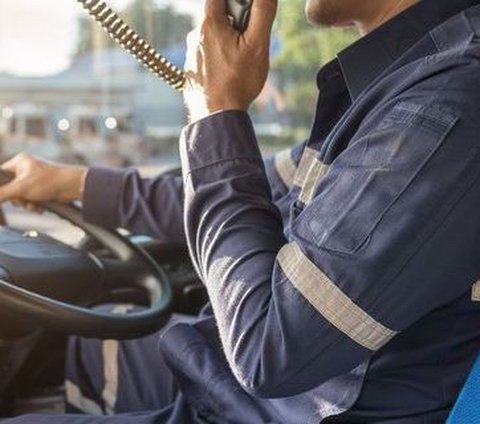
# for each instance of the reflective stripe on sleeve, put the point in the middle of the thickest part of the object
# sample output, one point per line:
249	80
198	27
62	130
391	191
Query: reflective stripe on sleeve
110	350
75	398
285	167
110	371
334	305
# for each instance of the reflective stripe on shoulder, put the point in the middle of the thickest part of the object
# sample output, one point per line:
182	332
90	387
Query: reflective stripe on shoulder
334	305
314	176
310	172
309	156
75	398
285	167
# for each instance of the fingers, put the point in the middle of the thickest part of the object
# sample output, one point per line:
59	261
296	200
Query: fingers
18	203
262	16
11	189
15	161
216	10
10	165
29	206
34	208
7	190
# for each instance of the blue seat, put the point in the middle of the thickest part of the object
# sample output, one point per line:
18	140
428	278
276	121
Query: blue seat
467	407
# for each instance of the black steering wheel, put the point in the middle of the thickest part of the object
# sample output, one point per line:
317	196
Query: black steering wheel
54	285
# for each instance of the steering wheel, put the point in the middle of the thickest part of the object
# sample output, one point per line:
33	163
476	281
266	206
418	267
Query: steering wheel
54	284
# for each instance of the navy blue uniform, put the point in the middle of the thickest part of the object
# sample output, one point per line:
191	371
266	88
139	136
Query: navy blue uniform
342	273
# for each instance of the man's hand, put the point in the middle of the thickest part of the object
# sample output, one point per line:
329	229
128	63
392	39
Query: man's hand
38	181
227	70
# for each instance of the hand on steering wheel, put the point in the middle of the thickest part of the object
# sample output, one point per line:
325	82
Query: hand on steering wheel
128	267
34	181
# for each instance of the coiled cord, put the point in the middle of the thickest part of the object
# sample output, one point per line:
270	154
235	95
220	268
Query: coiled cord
119	31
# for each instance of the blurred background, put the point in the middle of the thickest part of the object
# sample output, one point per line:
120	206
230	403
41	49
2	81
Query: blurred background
68	93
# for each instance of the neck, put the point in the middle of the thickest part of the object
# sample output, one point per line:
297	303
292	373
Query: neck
385	11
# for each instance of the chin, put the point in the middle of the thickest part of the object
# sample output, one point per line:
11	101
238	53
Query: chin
344	24
328	12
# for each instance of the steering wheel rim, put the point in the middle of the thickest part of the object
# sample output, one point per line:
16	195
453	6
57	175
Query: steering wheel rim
72	319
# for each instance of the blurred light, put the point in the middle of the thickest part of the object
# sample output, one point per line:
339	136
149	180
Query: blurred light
7	112
111	123
63	124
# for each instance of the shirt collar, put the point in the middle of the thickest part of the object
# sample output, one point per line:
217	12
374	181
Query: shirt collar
367	58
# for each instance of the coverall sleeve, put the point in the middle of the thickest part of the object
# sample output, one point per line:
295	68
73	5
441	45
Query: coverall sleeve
390	234
154	206
118	198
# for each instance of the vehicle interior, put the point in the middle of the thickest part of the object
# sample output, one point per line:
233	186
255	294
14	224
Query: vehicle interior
50	287
55	267
92	103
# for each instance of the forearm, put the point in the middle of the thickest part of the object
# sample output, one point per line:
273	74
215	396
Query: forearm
236	236
296	309
121	198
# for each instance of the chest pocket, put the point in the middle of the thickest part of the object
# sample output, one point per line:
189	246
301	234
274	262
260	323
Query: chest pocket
372	173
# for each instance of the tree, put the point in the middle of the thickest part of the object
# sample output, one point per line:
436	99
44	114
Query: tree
304	50
160	26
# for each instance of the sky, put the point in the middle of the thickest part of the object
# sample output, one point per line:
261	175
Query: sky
37	37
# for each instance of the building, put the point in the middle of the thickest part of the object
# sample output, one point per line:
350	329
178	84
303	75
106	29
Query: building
104	108
102	99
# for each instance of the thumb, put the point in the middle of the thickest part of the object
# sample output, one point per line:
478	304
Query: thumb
262	16
8	172
7	179
10	165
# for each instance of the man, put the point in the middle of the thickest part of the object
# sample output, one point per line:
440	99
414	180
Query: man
340	273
